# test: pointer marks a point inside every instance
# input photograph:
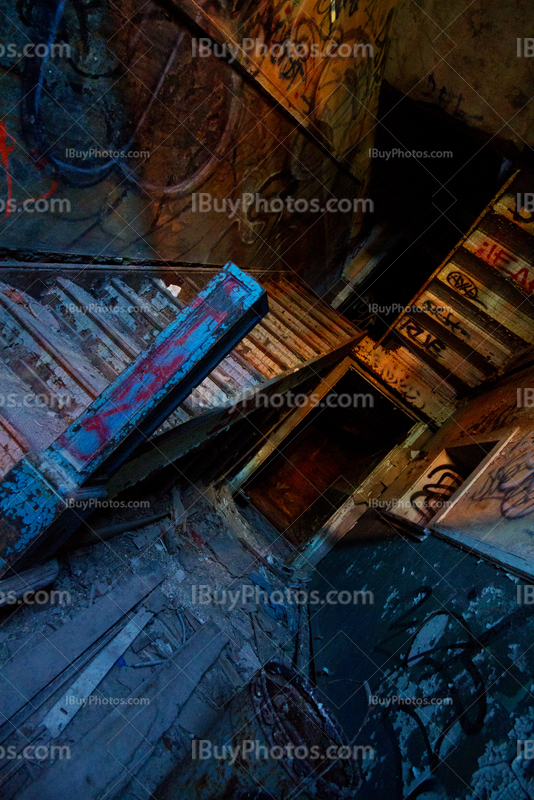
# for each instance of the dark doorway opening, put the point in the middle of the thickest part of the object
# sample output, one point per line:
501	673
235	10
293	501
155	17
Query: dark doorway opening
326	457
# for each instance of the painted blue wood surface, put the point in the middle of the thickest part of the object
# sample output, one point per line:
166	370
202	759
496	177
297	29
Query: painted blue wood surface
34	495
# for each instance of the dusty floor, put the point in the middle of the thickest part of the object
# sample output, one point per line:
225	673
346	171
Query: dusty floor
207	557
446	625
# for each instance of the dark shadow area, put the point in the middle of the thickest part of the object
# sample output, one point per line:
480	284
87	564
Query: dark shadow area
421	667
430	201
332	450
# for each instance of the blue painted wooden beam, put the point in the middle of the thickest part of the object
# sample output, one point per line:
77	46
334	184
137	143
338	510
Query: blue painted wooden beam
42	498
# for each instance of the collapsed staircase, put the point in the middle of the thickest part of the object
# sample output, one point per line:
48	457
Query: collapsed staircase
64	339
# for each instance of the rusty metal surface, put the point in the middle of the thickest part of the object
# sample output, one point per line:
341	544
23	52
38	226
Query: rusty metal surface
279	711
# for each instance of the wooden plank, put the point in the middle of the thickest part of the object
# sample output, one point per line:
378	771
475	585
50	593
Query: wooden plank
40	661
107	757
28	582
290	422
284	349
61	350
512	237
505	305
27	419
289	320
164	304
241	372
87	535
413	382
206	395
30	714
105	354
299	348
442	374
223	382
65	709
438	343
102	318
18	437
316	309
471	325
270	347
138	301
327	312
223	377
127	315
510	259
252	355
324	336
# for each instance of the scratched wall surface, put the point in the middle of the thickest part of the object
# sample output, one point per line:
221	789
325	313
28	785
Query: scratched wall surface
335	96
498	511
458	45
177	125
443	625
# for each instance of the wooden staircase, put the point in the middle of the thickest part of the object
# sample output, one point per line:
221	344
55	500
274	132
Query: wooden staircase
471	321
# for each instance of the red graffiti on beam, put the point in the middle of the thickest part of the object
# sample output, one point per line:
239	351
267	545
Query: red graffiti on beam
500	258
138	389
495	255
5	151
521	278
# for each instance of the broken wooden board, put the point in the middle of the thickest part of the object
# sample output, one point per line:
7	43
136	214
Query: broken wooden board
42	499
71	702
36	664
28	582
108	757
30	714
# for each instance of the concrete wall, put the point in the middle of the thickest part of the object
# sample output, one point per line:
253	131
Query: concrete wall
131	83
462	58
442	624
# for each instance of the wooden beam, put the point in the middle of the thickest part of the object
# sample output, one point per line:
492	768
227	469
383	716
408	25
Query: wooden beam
42	659
28	582
43	498
113	751
290	423
172	445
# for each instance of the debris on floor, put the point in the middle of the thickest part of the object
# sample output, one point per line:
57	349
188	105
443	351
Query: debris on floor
184	600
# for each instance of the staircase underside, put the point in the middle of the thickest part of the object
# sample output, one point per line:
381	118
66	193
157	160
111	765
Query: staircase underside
471	321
